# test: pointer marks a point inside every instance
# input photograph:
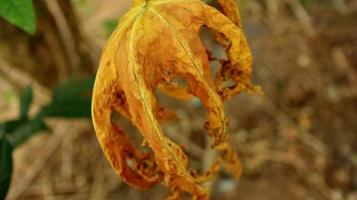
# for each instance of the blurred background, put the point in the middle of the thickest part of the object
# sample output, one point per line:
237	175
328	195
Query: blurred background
298	141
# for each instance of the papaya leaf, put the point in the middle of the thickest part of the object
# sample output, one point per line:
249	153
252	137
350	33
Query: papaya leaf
154	44
25	101
22	130
10	126
71	99
73	88
110	26
20	13
5	166
69	108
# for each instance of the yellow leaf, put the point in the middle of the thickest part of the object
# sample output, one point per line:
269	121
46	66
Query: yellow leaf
155	42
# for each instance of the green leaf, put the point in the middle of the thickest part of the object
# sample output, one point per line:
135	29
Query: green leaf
79	107
25	101
71	99
110	26
5	166
2	129
73	89
20	13
24	130
11	126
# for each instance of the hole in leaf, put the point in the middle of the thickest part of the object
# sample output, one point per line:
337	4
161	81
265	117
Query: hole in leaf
186	129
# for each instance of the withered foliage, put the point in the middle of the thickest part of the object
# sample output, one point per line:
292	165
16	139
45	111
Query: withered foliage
156	43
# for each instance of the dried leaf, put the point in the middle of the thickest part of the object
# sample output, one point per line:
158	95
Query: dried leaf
238	67
156	42
230	9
